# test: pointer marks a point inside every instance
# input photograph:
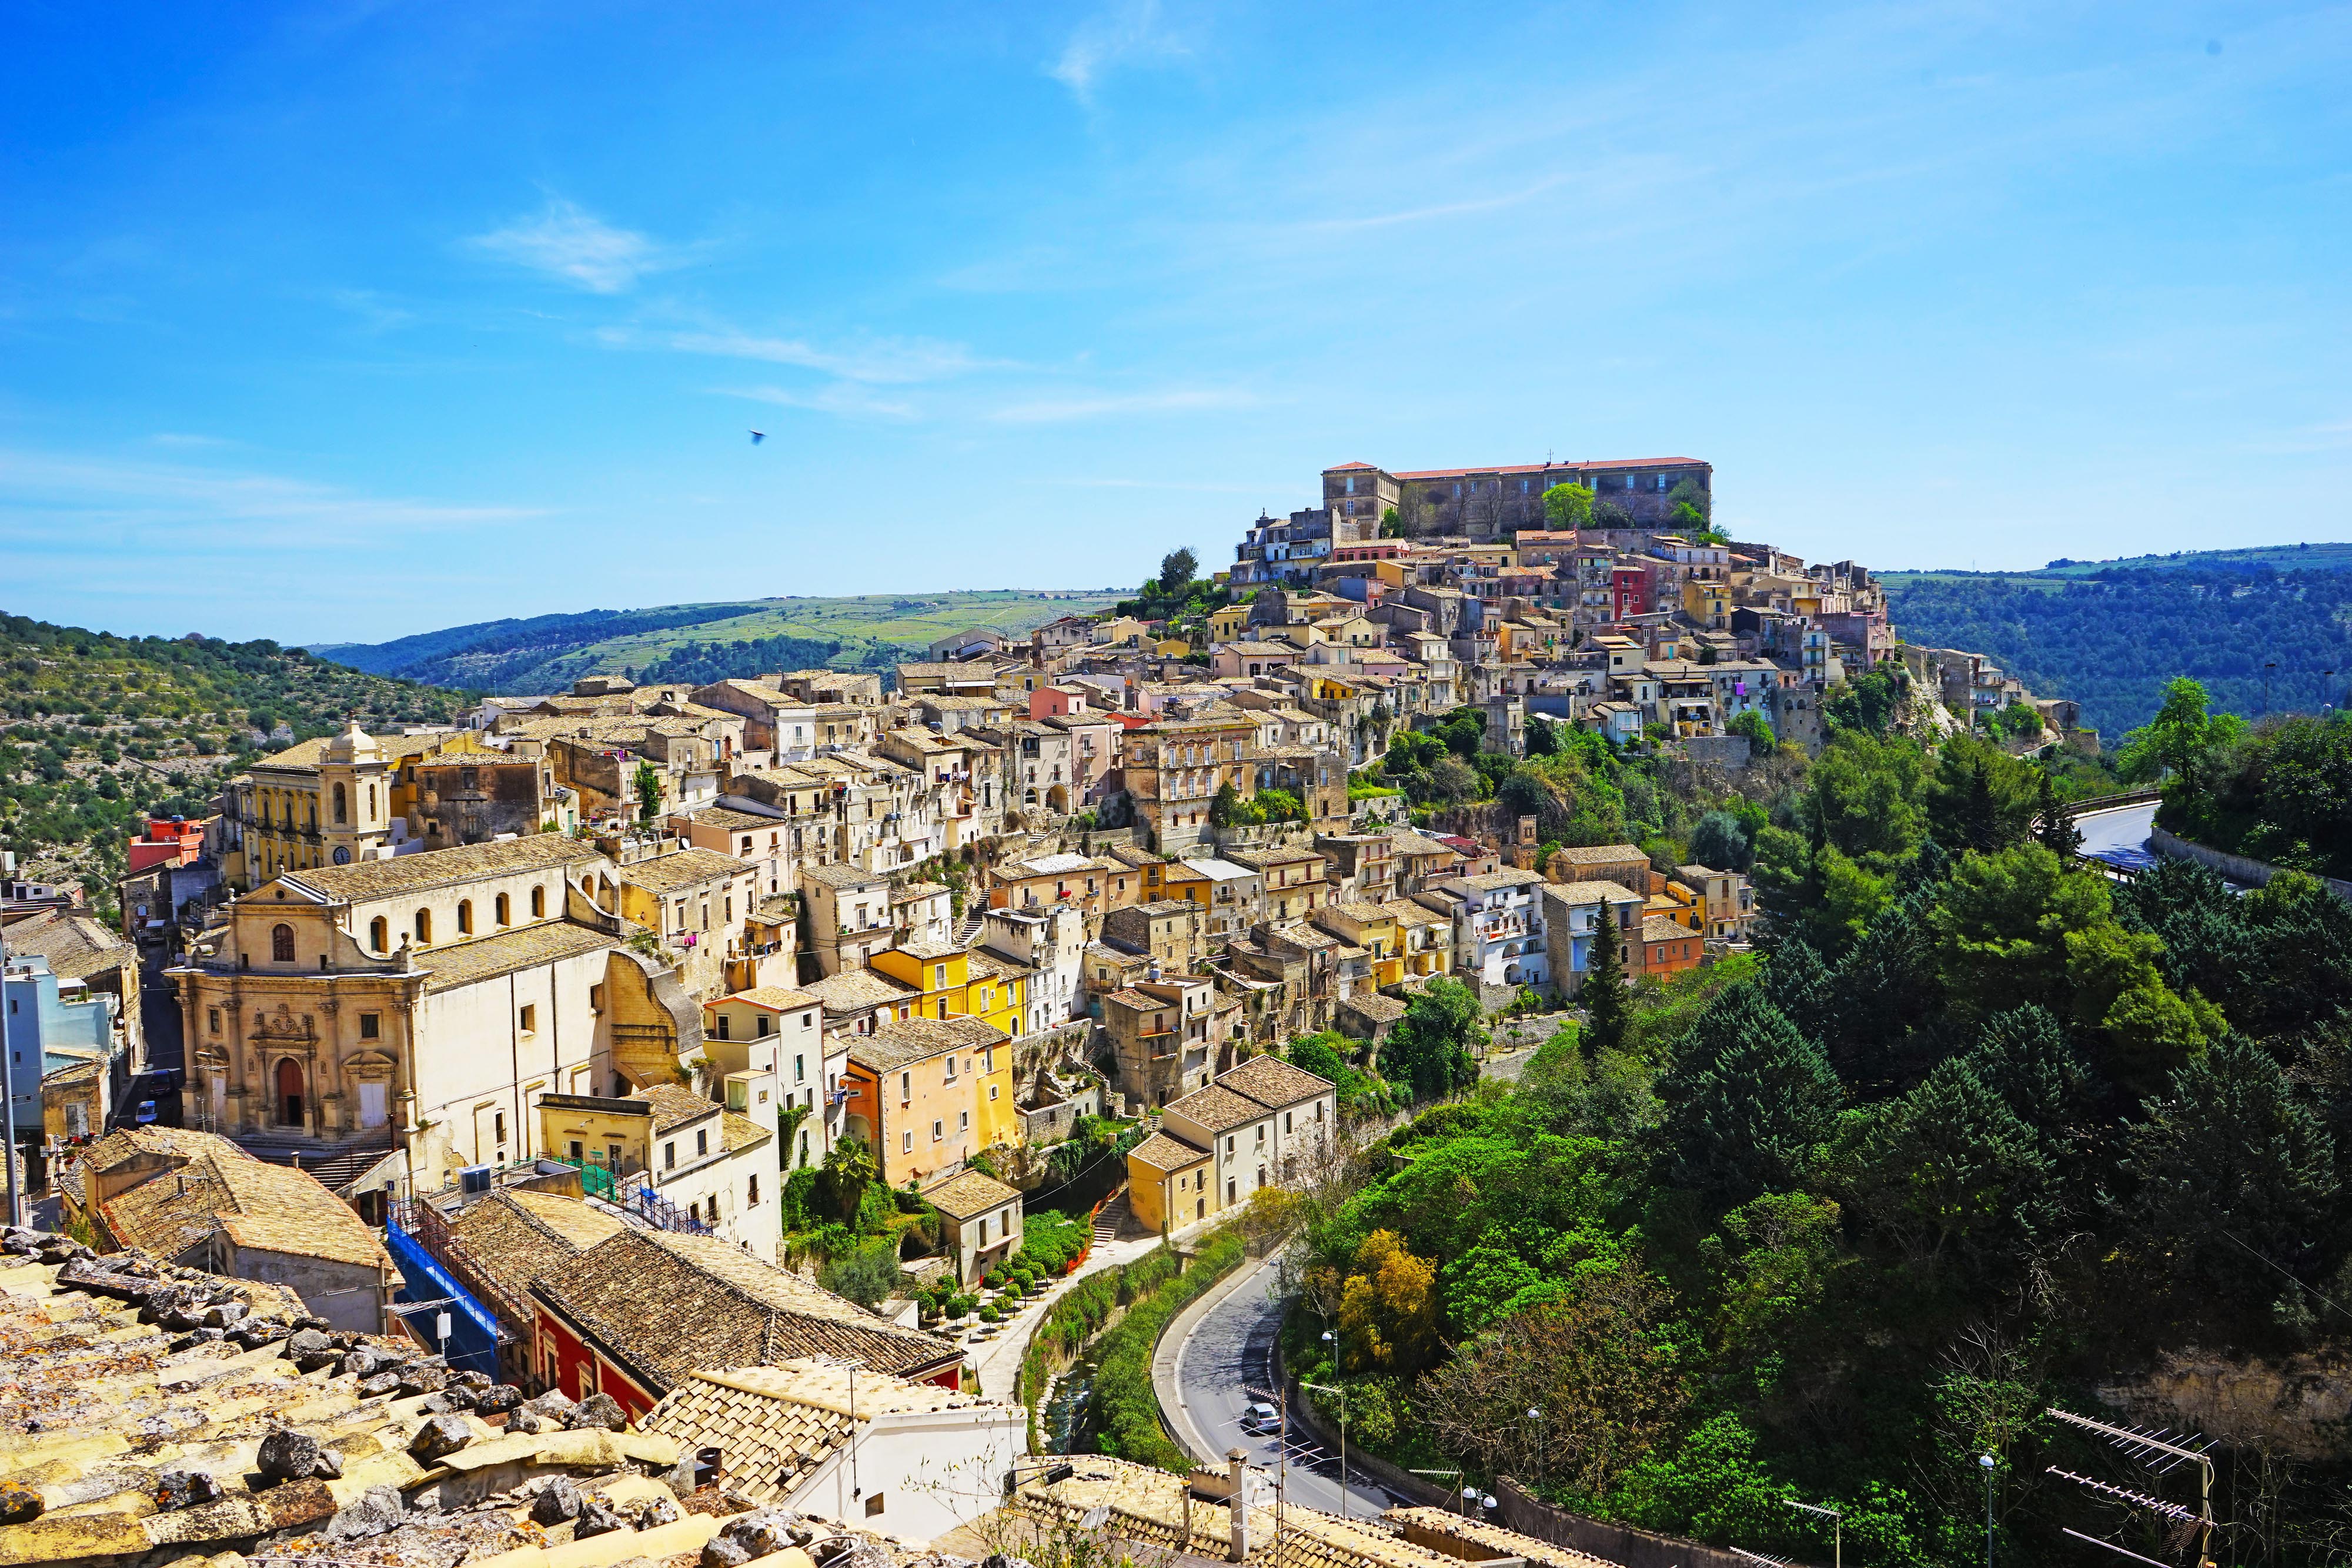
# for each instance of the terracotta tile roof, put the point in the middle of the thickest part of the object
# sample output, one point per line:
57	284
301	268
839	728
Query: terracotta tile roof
1590	892
842	875
270	1208
1273	1083
969	1194
468	962
1495	881
1661	928
75	945
1374	1006
440	868
682	869
739	1132
775	999
777	1424
674	1105
515	1236
853	990
1164	1152
1217	1108
1603	854
732	820
668	1305
898	1042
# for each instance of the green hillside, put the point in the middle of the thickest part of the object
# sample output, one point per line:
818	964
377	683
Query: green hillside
2110	634
707	642
101	729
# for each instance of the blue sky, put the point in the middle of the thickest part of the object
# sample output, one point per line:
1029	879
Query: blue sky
339	322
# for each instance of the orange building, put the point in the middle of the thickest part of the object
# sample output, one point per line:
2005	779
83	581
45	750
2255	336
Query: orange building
916	1093
1669	947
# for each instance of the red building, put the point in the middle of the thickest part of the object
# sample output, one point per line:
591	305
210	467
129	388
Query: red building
175	842
1629	590
636	1313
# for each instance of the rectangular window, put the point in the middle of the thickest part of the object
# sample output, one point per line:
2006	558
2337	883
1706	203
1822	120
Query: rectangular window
964	1124
701	1143
800	1068
906	1087
907	1143
991	1092
370	1024
669	1156
530	1019
939	1130
499	1126
214	1014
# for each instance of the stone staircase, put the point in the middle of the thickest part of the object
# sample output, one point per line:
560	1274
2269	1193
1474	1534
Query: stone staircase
968	930
1111	1219
336	1163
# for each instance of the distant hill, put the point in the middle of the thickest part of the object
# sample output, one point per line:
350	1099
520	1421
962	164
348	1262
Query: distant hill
704	642
2110	634
102	728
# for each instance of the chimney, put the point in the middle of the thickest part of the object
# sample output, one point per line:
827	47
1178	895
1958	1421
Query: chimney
1235	1461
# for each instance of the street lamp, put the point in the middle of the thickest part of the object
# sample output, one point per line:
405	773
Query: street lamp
1986	1462
1535	1414
1837	1528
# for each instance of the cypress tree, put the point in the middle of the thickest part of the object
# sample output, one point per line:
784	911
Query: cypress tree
2053	827
1605	997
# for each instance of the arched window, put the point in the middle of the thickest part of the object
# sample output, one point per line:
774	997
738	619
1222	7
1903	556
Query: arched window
343	805
424	925
538	903
281	944
505	909
380	935
465	917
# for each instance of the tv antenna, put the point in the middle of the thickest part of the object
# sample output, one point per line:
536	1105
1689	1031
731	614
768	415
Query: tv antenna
2160	1451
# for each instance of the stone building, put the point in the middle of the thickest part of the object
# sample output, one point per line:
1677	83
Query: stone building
423	1004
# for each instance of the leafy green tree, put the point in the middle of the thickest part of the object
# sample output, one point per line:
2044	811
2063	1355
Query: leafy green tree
2001	927
1797	983
1720	840
1867	702
1756	729
2053	829
1428	1051
1608	1000
647	783
841	1182
2180	740
1888	987
2232	1179
1746	1100
1392	526
2023	1056
1981	798
1568	507
1864	793
865	1273
1949	1167
1177	568
1543	738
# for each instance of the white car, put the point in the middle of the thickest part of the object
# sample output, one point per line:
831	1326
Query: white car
1261	1417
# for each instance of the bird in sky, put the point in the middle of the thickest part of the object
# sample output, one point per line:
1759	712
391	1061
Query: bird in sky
758	436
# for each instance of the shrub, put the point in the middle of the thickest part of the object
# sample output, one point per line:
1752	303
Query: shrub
989	1314
865	1273
1125	1406
957	1306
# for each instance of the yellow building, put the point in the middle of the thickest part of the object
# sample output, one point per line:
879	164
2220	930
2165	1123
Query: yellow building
1707	602
323	802
952	982
1227	625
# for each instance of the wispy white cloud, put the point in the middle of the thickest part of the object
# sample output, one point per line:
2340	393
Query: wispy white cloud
575	246
891	360
1180	400
841	398
183	439
1128	32
58	498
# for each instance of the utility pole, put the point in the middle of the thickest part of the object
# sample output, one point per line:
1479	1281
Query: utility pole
8	1092
1988	1462
1327	1388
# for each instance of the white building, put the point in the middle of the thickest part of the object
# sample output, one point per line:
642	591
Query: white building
1499	927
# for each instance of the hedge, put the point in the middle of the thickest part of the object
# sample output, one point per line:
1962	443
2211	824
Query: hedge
1126	1409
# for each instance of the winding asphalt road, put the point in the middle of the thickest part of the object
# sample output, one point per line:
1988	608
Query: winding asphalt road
2119	835
1227	1350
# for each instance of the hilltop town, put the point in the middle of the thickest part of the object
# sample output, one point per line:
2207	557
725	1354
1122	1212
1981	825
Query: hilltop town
644	1049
